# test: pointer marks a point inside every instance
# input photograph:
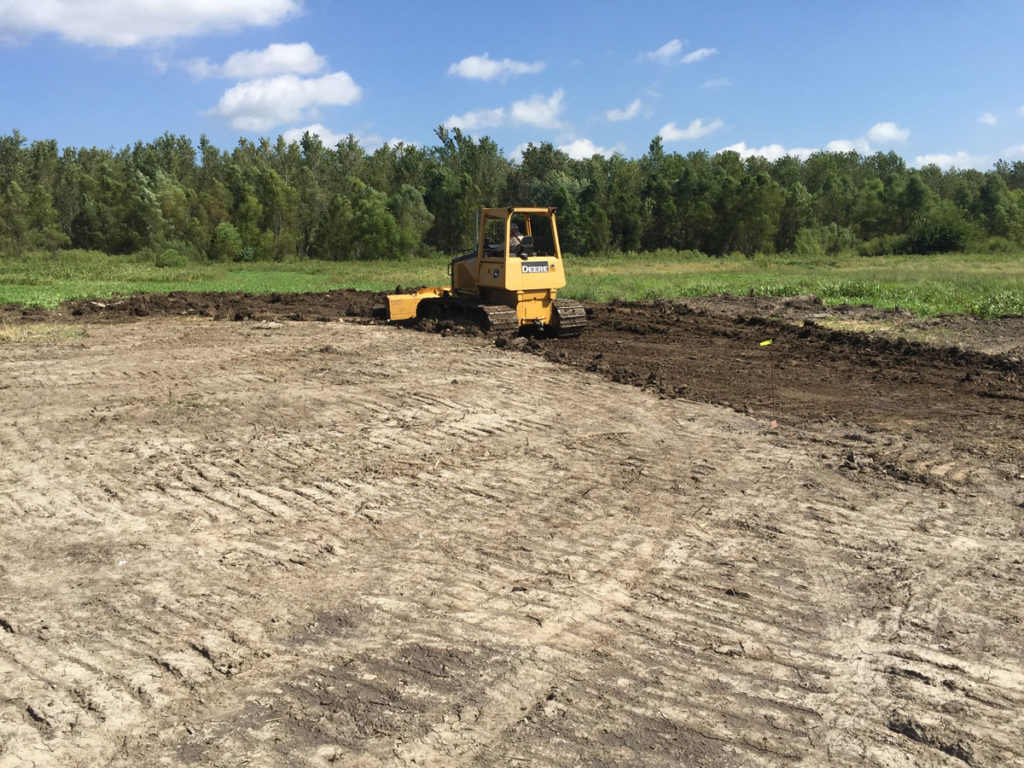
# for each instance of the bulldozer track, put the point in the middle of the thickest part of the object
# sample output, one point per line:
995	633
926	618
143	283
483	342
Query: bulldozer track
572	317
500	318
491	318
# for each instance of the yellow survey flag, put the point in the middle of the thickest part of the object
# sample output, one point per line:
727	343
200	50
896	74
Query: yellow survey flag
766	342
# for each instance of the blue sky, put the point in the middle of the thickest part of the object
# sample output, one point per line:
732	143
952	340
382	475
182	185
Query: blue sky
934	81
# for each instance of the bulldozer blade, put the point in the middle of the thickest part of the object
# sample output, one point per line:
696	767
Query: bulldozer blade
403	306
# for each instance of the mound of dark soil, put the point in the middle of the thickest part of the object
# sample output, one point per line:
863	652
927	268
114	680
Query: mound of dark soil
330	305
808	374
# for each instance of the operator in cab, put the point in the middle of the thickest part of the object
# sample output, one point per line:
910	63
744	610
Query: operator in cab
514	238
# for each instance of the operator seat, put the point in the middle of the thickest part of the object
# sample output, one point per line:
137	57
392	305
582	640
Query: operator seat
525	247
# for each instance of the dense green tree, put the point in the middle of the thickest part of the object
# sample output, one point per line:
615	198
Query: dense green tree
453	199
280	218
481	161
797	212
938	229
332	241
757	214
599	231
412	218
1012	173
295	199
175	208
911	202
28	221
660	213
563	191
227	243
993	207
12	159
375	232
624	206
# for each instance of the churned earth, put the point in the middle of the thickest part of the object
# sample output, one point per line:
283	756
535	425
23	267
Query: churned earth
307	538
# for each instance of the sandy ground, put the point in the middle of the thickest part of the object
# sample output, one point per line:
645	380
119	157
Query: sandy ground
266	543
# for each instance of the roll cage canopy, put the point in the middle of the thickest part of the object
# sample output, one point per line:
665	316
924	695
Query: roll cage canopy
505	214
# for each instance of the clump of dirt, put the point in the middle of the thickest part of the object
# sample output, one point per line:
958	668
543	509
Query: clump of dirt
444	326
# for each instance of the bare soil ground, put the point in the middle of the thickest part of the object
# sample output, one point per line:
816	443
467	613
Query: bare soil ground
272	542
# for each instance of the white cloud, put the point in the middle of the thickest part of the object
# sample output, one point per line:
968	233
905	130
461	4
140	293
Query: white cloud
119	23
718	82
988	119
257	105
669	52
1013	153
486	68
275	59
769	152
202	68
665	54
694	130
583	149
477	119
700	53
617	115
958	160
160	63
860	146
879	133
888	133
539	111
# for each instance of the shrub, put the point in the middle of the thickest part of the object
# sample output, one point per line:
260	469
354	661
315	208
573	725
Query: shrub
170	257
226	243
825	240
172	253
941	230
735	257
994	245
886	245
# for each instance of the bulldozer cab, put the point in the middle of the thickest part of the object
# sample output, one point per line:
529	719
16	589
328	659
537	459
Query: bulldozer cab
537	234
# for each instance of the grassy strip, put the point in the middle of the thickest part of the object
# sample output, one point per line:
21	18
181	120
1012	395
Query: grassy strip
980	284
47	280
38	333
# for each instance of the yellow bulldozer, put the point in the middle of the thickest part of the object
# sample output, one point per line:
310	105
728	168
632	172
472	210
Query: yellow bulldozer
509	282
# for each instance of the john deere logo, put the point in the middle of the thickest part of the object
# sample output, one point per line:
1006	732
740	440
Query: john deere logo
535	267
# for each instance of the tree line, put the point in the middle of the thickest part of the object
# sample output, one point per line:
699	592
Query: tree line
284	200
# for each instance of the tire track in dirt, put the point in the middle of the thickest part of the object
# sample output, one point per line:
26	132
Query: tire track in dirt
442	435
535	673
340	555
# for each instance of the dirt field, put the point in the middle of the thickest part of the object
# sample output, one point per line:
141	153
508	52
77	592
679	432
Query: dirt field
290	540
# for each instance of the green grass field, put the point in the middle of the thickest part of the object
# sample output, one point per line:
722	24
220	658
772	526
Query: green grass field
979	284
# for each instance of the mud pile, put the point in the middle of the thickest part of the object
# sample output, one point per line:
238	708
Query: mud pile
326	306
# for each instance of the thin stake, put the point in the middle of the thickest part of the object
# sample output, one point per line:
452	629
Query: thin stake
771	377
